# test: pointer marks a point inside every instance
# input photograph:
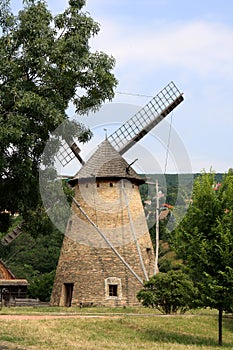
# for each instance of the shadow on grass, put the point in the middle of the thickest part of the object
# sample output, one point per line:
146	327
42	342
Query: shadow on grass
161	336
228	323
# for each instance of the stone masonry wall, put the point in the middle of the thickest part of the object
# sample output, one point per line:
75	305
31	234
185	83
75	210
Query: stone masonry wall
87	262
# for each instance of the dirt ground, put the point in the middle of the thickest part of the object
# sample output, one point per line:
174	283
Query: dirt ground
48	317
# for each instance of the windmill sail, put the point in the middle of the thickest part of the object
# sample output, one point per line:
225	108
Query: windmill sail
146	118
135	128
9	237
68	151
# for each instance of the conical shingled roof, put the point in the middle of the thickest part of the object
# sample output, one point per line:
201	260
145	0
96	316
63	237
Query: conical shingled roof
106	162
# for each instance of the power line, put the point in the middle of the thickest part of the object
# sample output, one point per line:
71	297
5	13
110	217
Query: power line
132	94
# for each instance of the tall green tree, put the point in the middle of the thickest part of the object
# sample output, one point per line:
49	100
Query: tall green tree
204	240
45	64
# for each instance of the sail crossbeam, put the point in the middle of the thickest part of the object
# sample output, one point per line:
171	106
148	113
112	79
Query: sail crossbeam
146	118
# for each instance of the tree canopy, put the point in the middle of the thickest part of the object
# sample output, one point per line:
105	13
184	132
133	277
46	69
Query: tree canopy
45	64
204	240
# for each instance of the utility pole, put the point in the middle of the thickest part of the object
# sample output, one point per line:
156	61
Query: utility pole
156	269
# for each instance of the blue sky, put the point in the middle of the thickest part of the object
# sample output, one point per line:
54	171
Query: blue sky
156	41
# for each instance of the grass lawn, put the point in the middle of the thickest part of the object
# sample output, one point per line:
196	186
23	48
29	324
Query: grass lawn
129	330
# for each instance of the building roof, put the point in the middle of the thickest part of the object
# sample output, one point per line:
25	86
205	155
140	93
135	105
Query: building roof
106	162
7	278
15	282
164	214
5	272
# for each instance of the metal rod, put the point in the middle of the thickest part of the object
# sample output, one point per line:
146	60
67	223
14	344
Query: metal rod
157	228
133	232
107	241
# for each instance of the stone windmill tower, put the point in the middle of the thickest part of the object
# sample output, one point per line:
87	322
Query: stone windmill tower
107	251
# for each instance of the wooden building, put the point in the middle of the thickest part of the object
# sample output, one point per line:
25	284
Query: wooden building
10	287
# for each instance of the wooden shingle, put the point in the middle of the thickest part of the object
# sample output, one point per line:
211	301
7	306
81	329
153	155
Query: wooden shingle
106	162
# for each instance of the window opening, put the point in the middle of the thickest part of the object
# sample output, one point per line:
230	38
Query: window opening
113	290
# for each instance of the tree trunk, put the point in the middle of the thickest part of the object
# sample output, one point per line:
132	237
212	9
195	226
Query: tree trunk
220	325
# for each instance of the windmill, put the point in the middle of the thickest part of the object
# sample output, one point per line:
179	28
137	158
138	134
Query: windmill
107	252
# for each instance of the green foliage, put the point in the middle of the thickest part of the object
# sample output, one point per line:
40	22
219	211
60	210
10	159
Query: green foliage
45	64
168	259
204	240
35	258
40	252
41	286
56	209
168	292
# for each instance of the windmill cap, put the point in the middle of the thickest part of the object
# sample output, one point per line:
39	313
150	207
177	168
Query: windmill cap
106	163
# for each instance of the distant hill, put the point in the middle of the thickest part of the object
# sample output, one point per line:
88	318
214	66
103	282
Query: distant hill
170	185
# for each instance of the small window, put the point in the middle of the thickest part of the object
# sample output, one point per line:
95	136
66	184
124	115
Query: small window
86	185
111	184
132	186
112	290
97	185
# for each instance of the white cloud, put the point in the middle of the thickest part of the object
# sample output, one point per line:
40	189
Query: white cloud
205	48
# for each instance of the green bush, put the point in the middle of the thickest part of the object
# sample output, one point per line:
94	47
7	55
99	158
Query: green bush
168	292
41	286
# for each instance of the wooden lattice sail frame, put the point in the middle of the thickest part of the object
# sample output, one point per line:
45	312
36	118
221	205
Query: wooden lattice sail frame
135	128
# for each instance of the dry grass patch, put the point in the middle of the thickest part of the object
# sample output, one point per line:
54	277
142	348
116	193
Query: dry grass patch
125	332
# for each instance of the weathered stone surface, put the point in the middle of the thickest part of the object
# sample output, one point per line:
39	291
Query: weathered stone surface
87	261
89	271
